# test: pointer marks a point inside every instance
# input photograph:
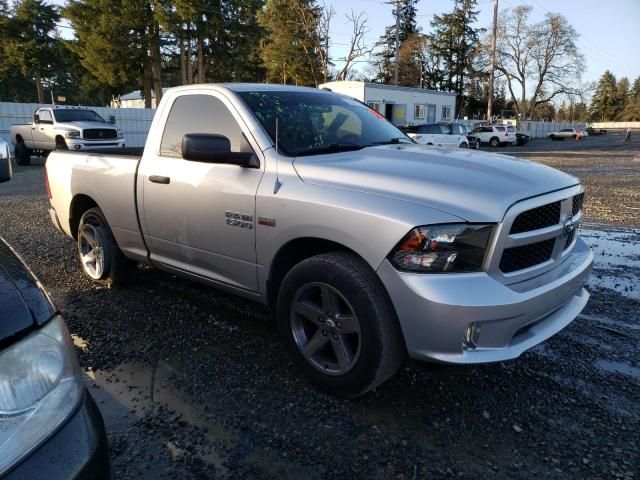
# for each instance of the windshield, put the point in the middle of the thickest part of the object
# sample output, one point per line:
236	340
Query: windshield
77	116
320	122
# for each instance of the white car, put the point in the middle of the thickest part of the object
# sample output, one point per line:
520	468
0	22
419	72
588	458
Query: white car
568	133
494	135
437	134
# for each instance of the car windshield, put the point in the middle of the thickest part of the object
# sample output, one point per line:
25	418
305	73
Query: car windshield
77	116
320	122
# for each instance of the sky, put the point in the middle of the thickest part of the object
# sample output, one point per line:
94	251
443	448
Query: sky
609	30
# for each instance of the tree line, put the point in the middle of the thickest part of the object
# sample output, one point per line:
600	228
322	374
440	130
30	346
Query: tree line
122	45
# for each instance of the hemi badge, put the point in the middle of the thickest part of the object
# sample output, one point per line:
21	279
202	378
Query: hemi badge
269	222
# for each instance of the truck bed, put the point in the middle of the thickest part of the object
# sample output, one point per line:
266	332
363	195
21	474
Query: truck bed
108	177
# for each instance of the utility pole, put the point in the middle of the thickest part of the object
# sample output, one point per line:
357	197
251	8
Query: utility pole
493	60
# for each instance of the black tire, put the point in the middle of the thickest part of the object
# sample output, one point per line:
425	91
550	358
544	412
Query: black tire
477	144
380	348
494	142
115	266
574	136
61	144
22	154
463	145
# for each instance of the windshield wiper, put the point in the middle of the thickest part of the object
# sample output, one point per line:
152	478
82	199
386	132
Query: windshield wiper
393	141
333	148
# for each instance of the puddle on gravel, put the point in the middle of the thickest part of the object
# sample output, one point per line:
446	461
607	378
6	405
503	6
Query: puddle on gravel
617	260
129	391
619	367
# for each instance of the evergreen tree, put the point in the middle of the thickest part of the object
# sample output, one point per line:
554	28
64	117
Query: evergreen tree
29	46
456	42
622	96
409	34
603	102
631	111
289	50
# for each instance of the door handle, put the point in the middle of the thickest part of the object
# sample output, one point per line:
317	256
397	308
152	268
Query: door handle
160	179
41	128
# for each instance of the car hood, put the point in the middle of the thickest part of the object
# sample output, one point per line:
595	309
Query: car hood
83	125
23	302
475	186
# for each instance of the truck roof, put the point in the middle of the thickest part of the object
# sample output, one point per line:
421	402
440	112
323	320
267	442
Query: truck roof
248	87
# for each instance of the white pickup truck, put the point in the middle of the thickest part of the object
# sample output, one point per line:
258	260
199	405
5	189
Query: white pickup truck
63	128
367	246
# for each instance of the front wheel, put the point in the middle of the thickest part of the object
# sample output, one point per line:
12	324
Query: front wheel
61	144
339	325
463	145
100	257
476	144
22	154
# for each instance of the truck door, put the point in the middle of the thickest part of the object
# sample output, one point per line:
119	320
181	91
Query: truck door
199	217
42	129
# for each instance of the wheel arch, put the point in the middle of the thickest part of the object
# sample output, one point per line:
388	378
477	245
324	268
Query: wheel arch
292	253
79	204
19	138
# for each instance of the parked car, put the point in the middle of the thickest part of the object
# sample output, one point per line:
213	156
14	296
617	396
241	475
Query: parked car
437	134
521	138
494	135
63	128
596	131
367	246
50	427
567	133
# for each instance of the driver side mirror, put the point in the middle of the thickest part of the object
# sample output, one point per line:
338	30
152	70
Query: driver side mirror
36	118
213	148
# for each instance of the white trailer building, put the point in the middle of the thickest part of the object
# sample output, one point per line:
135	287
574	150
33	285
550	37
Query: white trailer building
400	105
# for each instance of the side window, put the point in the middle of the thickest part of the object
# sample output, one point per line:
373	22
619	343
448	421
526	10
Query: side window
446	112
45	116
419	111
374	105
199	114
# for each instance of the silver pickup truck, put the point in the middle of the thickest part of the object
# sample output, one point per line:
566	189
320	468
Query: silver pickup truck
367	246
63	128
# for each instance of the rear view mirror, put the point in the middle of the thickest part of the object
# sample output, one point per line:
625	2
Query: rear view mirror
212	148
6	169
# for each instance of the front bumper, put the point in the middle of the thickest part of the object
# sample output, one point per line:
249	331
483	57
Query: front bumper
77	450
83	144
437	311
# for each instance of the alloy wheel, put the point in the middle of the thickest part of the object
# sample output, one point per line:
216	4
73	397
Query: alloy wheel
91	251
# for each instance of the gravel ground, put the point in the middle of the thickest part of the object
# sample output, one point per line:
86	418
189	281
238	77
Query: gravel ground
193	383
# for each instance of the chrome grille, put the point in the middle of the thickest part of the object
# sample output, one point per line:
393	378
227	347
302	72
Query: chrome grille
537	218
578	200
99	133
535	235
519	258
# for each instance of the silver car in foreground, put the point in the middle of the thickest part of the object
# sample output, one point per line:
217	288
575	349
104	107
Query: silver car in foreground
367	246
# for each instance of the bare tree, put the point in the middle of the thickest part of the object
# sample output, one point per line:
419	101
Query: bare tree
543	54
357	46
315	24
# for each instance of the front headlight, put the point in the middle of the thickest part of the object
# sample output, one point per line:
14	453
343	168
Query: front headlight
72	134
40	386
119	134
457	247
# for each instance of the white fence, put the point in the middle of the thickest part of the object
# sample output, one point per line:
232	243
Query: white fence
134	122
542	129
616	125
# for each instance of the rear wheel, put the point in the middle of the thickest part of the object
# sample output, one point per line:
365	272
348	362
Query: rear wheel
100	257
22	154
494	142
476	144
338	324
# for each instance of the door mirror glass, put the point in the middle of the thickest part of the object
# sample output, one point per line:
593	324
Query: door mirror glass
36	118
112	119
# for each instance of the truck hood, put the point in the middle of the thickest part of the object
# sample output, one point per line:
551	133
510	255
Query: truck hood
83	125
475	186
